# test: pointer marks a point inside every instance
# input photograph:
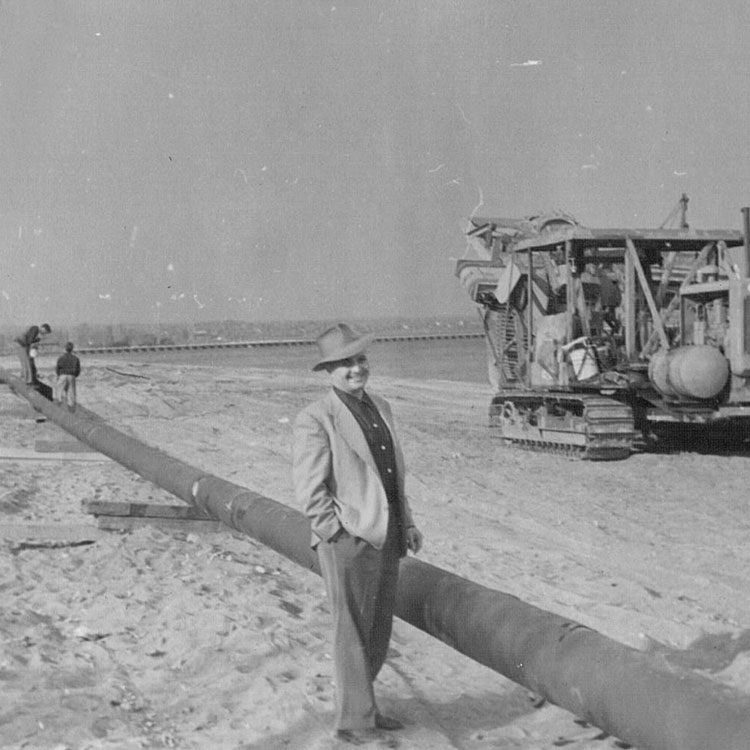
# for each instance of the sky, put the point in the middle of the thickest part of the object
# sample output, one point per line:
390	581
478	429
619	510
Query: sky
184	160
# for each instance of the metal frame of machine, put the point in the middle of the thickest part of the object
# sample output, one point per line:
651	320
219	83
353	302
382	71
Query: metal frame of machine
603	339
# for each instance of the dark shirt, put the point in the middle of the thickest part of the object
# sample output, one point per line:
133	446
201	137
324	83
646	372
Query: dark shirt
30	337
378	438
68	364
380	442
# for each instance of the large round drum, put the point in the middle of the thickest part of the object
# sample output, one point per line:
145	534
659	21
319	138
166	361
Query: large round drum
698	372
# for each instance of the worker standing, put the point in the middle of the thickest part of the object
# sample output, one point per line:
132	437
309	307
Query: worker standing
68	369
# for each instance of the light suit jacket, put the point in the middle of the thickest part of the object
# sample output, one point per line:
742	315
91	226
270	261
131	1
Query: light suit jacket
336	480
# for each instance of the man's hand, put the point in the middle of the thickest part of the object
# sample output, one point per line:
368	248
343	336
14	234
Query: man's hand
339	533
414	539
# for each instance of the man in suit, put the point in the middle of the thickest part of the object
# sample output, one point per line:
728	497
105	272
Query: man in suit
349	477
67	369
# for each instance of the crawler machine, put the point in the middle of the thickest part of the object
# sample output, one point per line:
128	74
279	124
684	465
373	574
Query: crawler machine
603	340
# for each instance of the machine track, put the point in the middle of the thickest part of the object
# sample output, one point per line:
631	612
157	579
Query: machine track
582	425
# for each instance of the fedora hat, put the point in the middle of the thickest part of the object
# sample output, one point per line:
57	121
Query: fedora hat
340	342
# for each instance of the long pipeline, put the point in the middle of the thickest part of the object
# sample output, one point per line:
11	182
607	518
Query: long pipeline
637	697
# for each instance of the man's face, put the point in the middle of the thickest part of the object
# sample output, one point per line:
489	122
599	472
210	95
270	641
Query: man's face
350	375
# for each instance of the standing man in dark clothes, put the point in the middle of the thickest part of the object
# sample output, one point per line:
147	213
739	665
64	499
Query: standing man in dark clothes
68	368
349	477
33	335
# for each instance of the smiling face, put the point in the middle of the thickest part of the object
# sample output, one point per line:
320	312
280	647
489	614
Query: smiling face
350	375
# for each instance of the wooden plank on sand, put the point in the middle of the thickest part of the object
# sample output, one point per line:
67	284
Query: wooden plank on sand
128	523
27	454
49	534
115	516
145	510
62	446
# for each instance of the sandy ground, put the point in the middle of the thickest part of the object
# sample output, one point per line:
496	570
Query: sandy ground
193	639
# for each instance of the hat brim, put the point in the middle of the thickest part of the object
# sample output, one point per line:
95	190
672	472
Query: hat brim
355	347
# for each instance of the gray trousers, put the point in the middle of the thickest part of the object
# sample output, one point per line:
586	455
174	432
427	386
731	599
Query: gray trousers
66	389
361	582
25	361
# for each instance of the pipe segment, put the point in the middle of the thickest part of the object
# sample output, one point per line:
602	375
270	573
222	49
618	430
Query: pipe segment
632	695
285	530
638	697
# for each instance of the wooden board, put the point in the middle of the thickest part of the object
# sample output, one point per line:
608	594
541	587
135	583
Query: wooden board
49	534
62	446
27	454
145	510
128	523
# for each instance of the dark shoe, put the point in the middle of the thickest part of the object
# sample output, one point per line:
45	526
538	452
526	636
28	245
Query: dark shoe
357	736
388	723
366	737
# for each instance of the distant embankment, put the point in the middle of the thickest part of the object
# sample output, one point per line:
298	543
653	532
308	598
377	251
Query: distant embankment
261	343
